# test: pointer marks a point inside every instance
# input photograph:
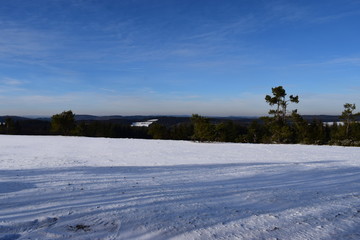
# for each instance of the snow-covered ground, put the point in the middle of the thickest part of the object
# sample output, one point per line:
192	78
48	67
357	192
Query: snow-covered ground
144	124
332	123
98	188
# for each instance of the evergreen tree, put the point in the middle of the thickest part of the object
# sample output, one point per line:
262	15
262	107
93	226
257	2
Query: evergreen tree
226	132
11	126
255	133
300	128
63	123
182	131
277	125
318	133
348	117
158	131
203	129
279	100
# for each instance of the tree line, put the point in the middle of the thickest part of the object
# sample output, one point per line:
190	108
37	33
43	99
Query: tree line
281	126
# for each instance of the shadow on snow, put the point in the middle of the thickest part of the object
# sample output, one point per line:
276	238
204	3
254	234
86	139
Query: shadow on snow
170	200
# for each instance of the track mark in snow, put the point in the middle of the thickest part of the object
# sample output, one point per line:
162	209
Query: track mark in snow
25	227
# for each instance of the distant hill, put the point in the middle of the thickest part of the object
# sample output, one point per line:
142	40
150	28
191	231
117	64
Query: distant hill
324	118
15	118
165	120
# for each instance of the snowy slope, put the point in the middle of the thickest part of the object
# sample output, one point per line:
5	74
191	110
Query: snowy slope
144	124
98	188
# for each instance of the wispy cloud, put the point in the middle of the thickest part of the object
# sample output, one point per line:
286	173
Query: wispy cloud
335	16
344	61
313	13
11	85
11	81
24	42
131	57
218	31
285	11
113	41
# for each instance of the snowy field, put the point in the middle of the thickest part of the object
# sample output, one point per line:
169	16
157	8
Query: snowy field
144	124
97	188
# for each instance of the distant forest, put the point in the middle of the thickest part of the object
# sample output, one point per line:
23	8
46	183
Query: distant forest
281	126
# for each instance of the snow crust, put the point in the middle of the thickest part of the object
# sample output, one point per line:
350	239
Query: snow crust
98	188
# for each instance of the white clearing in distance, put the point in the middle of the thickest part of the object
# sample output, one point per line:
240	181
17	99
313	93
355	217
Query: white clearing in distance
144	124
54	187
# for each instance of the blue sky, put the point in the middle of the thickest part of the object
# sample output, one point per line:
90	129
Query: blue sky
177	57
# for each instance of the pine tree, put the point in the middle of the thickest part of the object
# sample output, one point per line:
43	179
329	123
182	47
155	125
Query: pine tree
158	131
279	100
63	123
203	129
348	117
278	127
